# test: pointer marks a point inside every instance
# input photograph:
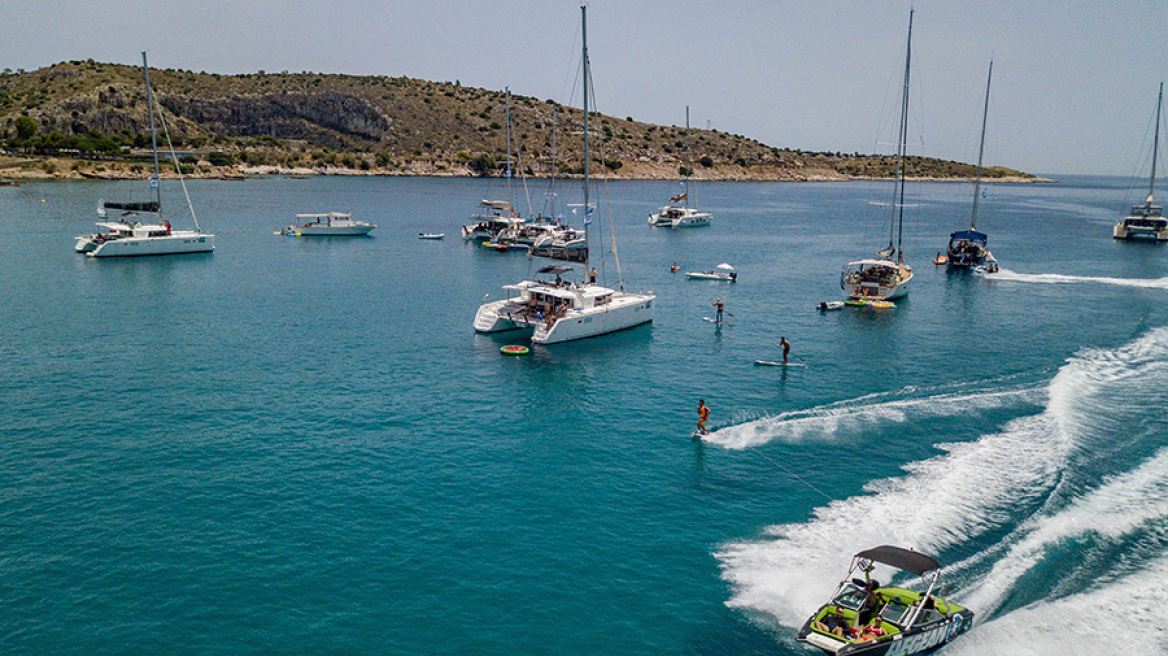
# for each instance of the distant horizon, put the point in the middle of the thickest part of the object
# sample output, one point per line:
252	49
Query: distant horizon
1071	90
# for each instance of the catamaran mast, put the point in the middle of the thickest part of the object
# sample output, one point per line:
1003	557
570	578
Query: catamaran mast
156	182
902	146
1155	147
587	207
688	159
981	148
507	90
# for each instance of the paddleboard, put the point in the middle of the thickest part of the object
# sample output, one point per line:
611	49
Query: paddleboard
723	322
768	363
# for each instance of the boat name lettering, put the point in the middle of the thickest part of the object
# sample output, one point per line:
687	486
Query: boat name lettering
922	641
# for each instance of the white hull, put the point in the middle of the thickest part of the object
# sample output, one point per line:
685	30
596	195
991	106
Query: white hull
178	242
712	276
1125	231
332	231
679	217
874	291
622	312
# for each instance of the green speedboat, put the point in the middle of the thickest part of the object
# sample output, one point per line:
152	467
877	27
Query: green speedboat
866	618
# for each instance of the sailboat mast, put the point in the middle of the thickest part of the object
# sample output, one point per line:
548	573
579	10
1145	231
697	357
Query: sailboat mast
552	191
688	159
157	182
587	208
981	148
1155	146
507	90
900	152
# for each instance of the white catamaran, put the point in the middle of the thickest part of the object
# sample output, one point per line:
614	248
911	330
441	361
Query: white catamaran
886	277
128	235
678	213
557	310
1147	221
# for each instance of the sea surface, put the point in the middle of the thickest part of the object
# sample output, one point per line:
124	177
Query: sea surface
299	445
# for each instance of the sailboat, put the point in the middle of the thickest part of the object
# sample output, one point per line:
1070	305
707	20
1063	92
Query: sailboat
127	235
887	276
967	248
558	310
495	216
678	213
1147	221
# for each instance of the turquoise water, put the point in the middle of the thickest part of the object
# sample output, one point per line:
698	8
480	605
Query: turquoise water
298	445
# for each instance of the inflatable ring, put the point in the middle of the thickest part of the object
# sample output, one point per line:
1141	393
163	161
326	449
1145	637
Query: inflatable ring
514	350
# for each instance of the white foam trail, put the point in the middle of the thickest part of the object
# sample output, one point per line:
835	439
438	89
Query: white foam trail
945	500
1120	506
977	486
1005	275
856	416
1125	617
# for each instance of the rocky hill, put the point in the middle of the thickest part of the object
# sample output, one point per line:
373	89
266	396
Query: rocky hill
87	118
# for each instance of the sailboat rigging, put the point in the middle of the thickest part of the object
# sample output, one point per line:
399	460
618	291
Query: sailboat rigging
561	310
967	248
1147	221
887	276
128	236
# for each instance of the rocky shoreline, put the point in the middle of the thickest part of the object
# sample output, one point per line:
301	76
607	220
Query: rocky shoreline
59	168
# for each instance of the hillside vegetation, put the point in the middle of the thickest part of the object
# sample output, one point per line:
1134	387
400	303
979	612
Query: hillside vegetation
87	118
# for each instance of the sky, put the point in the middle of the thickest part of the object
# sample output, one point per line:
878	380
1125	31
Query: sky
1074	86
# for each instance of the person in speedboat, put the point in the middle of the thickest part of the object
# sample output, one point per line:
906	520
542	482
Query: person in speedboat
873	631
835	624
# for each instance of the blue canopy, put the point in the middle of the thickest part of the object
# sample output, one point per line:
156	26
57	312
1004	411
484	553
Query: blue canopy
970	235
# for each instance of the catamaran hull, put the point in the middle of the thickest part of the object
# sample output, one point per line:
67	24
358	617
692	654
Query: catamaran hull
692	221
628	312
174	244
85	244
1123	231
493	318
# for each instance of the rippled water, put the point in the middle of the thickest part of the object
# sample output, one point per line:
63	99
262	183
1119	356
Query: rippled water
299	445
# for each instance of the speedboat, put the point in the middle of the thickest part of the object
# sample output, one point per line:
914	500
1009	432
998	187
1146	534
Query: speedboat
431	235
331	224
559	310
876	279
1147	221
908	621
724	272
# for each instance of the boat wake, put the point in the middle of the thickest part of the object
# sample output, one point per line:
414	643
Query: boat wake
1060	516
834	421
1005	275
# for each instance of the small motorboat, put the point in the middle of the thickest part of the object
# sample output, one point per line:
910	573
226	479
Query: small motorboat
865	618
431	235
723	272
830	305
